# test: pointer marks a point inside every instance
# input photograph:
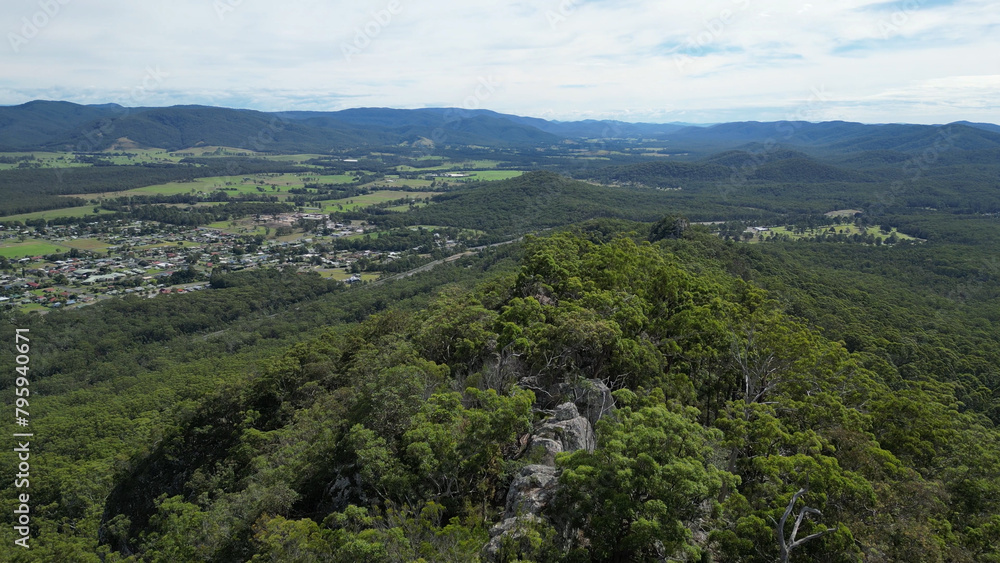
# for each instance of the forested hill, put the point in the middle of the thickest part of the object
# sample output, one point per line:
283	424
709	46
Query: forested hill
537	200
622	394
437	434
67	126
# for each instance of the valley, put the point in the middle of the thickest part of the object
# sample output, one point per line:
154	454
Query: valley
527	341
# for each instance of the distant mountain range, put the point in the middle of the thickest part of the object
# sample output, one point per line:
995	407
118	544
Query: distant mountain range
58	125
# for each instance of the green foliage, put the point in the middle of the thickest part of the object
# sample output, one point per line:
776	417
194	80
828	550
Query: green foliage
537	200
649	476
449	453
671	226
30	190
382	424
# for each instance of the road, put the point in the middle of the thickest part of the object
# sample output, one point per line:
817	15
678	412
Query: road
434	264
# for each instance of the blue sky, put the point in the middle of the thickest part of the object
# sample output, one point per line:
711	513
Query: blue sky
916	61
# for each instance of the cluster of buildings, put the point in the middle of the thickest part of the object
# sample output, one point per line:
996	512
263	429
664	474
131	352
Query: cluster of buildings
149	259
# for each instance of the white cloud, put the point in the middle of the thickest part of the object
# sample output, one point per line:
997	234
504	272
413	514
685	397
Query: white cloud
913	60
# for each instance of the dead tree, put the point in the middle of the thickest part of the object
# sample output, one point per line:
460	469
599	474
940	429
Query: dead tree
792	543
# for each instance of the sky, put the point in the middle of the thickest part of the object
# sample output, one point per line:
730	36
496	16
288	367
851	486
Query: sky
913	61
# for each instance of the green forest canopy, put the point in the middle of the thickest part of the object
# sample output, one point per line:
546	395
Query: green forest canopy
728	408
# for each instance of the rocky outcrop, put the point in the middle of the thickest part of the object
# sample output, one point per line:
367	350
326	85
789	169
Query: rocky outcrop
531	491
565	431
592	398
534	486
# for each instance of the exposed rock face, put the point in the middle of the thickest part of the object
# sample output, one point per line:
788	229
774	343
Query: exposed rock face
535	485
592	398
546	449
572	431
529	494
531	490
510	529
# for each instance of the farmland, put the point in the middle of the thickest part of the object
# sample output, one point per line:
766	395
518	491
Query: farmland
848	230
29	248
81	211
381	196
274	184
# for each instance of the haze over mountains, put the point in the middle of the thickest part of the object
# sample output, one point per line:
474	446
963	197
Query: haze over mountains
59	125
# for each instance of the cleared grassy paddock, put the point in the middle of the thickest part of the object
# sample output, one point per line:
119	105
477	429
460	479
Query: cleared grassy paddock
449	165
350	203
81	211
490	175
29	248
299	158
838	229
212	150
340	274
396	182
91	244
232	184
45	159
406	207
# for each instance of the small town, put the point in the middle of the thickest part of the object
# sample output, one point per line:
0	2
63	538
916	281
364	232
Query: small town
147	258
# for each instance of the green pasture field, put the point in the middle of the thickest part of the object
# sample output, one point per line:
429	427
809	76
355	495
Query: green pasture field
29	248
490	175
283	182
127	160
448	165
30	307
340	274
116	156
243	226
49	164
842	212
397	182
406	207
372	235
351	203
328	179
234	185
127	156
154	154
436	227
296	235
211	150
65	159
91	244
172	188
850	229
473	176
81	211
299	158
45	159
